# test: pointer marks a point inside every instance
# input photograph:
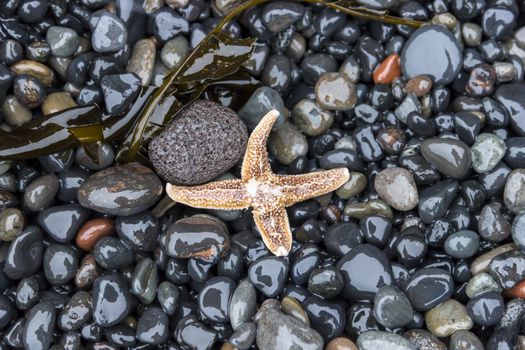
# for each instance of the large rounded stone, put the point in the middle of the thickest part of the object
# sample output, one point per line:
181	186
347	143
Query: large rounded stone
121	190
203	142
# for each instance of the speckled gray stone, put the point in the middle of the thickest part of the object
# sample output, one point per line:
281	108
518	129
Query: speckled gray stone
203	142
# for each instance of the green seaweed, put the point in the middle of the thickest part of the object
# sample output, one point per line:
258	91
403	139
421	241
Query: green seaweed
212	70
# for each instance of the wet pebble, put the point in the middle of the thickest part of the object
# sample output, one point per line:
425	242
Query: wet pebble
420	55
242	304
144	281
139	231
487	151
287	143
508	268
142	60
462	244
60	264
76	313
119	91
276	330
268	275
278	16
392	309
28	91
429	287
463	340
62	222
435	200
388	70
486	309
201	237
14	113
481	283
396	186
111	254
152	327
447	318
174	51
214	298
92	231
438	152
244	336
62	41
326	318
326	282
12	222
514	193
203	142
39	327
121	190
310	118
424	340
111	300
335	91
109	34
25	254
492	224
373	340
263	100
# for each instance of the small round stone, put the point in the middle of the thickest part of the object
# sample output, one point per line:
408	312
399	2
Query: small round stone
429	287
142	60
462	244
355	185
387	70
326	282
486	309
373	340
268	275
481	283
203	142
310	118
419	85
109	35
397	187
335	91
447	318
392	309
56	102
35	69
214	298
341	343
12	222
514	193
14	113
92	231
174	51
437	151
60	264
465	340
287	143
41	192
28	91
63	41
487	151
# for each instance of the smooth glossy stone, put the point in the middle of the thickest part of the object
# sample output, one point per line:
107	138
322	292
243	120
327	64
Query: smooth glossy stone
60	264
87	272
419	85
39	327
70	181
372	340
447	318
302	266
174	51
12	222
494	181
40	193
25	254
76	313
310	118
410	247
508	268
287	143
112	254
498	22
231	264
372	207
465	340
396	186
292	307
279	15
277	73
279	331
335	91
14	113
105	154
111	300
92	231
28	90
109	34
214	298
341	343
326	282
514	193
429	287
268	275
194	334
35	69
167	24
121	190
242	304
326	318
492	224
435	200
438	152
355	185
392	309
462	244
244	336
203	142
515	156
63	41
512	97
168	296
27	293
421	56
486	309
152	327
487	151
139	231
144	281
379	273
142	60
119	90
481	263
57	162
315	65
410	104
388	70
204	238
263	100
342	158
62	222
481	283
481	81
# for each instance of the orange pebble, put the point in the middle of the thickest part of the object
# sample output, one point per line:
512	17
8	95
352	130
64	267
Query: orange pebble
518	291
341	343
92	231
388	70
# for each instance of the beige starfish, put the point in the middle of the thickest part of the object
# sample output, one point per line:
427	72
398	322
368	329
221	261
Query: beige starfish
267	193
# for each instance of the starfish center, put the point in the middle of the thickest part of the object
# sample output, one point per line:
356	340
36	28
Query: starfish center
263	194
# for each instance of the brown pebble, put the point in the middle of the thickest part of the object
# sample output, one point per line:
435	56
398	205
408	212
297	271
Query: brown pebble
35	69
87	273
419	86
56	102
92	231
388	70
331	214
341	343
392	140
518	291
481	263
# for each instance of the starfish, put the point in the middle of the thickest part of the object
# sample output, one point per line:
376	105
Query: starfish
267	193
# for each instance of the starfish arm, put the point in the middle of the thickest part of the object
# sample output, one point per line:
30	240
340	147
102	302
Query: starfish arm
255	161
275	230
297	188
226	195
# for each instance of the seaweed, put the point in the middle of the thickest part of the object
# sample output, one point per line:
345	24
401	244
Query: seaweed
212	70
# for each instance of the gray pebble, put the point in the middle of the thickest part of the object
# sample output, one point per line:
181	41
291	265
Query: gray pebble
109	35
62	41
40	193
